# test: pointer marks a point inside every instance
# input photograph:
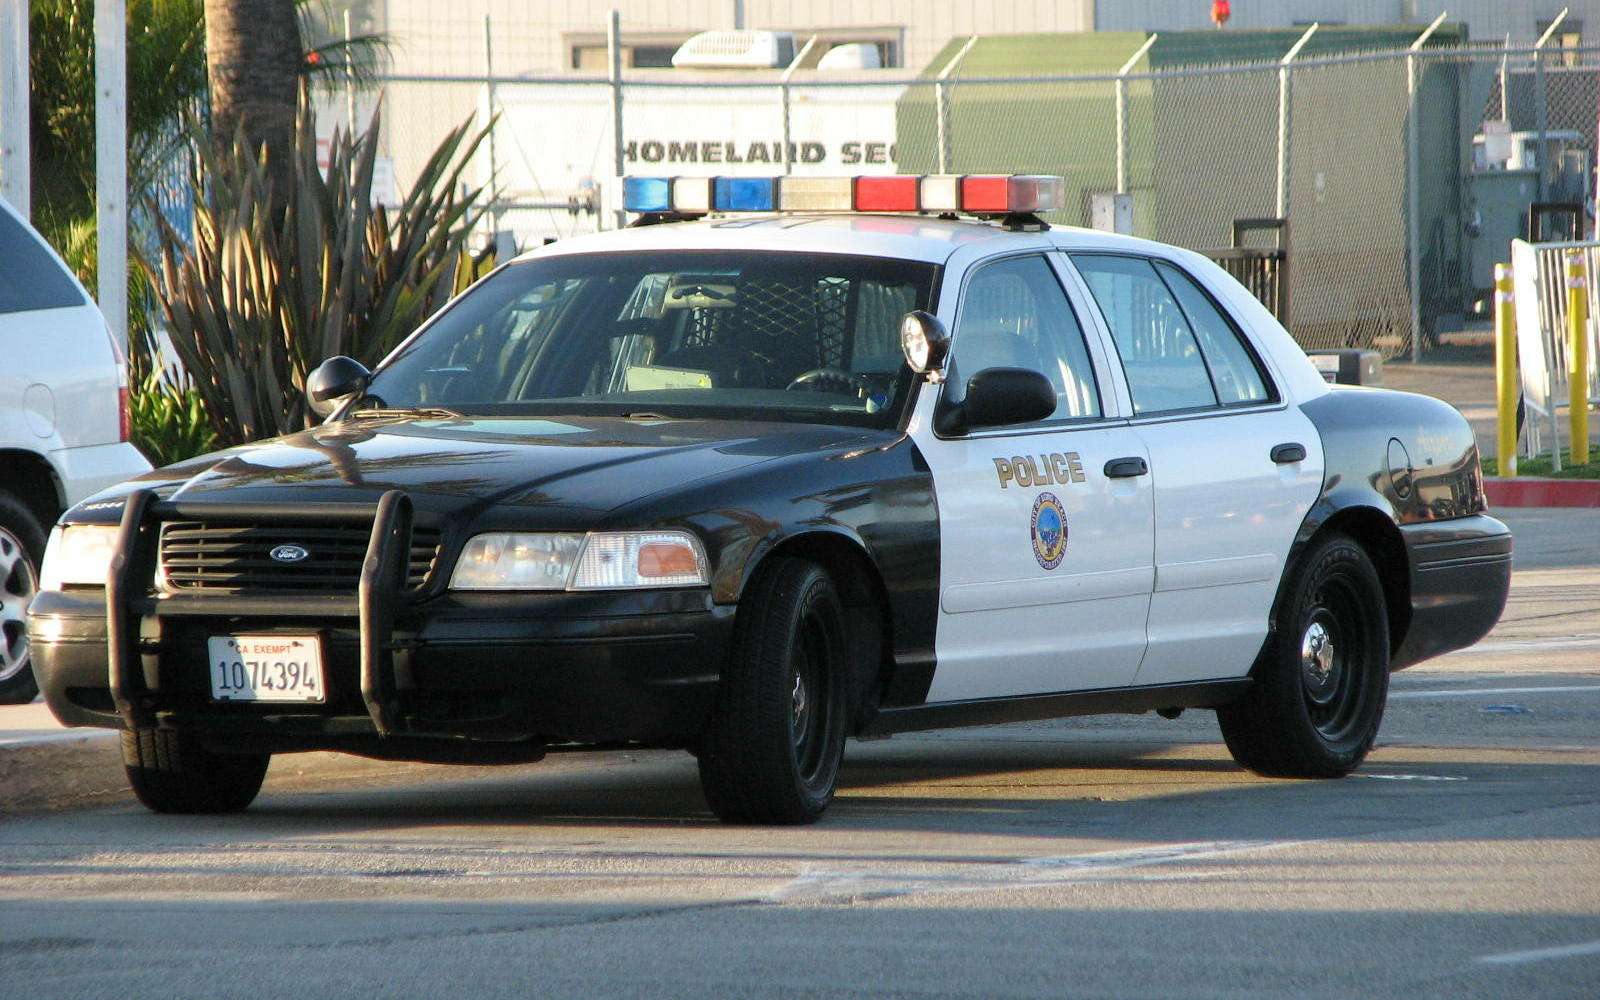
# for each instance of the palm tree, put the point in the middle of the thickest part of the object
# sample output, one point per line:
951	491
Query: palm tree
253	60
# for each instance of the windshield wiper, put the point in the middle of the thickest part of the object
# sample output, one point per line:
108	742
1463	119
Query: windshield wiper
395	412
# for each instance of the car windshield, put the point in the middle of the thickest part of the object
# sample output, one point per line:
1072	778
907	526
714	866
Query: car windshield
785	336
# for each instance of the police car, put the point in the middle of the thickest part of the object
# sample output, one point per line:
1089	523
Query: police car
792	460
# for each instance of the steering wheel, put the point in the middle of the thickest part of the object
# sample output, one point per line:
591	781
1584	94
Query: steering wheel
826	379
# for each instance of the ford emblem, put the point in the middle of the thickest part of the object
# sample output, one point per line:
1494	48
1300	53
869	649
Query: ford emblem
288	553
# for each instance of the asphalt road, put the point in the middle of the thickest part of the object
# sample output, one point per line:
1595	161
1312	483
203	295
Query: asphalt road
1105	857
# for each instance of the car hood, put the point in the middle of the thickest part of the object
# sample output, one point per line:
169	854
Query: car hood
559	467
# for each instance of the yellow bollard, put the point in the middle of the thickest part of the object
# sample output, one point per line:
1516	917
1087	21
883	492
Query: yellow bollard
1505	369
1578	357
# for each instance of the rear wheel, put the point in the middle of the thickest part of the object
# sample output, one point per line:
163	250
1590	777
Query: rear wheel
171	772
22	540
1317	699
773	750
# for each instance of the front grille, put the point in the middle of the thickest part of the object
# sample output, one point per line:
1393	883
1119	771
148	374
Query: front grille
234	557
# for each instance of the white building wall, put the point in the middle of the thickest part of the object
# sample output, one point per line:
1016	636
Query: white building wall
447	38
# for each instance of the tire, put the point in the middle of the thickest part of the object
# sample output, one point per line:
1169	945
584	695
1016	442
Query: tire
171	772
772	752
22	539
1320	685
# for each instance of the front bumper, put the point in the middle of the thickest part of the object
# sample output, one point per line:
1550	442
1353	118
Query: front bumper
1460	578
535	669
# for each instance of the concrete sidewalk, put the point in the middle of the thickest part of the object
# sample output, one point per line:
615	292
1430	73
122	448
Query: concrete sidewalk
32	724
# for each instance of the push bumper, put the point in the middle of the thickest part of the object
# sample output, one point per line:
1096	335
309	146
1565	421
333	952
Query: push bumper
1460	577
584	668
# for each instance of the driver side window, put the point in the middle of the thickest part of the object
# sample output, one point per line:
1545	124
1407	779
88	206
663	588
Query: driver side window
1015	315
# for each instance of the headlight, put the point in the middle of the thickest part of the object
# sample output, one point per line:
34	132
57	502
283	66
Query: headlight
606	560
78	554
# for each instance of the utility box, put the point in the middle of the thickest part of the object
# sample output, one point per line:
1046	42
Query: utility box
1348	365
1111	213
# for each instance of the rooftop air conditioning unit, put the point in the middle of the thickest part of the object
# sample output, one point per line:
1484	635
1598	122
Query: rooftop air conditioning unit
852	55
736	50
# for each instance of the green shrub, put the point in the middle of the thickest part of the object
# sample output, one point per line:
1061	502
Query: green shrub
168	422
271	282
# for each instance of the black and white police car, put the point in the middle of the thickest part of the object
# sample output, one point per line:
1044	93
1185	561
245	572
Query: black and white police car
751	484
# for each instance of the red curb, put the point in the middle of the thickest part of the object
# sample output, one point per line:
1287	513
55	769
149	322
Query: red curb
1531	492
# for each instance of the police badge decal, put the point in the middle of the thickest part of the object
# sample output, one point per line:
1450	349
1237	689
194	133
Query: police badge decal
1049	530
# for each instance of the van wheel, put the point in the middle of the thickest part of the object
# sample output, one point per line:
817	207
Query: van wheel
22	540
776	740
171	772
1319	688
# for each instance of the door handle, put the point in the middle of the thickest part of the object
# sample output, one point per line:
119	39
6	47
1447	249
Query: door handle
1126	468
1284	454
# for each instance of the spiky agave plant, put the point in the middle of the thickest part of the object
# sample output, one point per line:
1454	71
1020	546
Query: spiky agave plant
269	282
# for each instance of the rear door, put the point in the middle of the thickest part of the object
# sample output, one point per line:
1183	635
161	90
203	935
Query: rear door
1045	562
1226	511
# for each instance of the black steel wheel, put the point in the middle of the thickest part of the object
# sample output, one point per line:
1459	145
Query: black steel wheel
1318	694
22	540
774	746
171	772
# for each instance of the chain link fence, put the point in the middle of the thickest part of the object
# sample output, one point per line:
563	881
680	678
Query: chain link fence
1396	209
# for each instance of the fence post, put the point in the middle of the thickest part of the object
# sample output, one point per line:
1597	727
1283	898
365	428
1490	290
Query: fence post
349	79
940	110
1577	357
619	167
111	161
16	181
1505	370
1285	81
783	89
488	96
1413	197
1541	106
1122	112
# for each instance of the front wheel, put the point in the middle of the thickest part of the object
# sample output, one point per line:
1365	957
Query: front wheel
1318	693
171	772
775	743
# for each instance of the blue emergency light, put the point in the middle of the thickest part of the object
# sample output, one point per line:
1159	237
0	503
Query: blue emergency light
646	194
744	194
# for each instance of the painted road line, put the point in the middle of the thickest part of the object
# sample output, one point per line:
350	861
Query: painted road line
1532	645
21	739
1541	954
1476	692
816	883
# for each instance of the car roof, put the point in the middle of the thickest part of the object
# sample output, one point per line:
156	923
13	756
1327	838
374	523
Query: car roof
906	237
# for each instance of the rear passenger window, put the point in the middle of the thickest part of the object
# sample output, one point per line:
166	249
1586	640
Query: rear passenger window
1233	369
1159	353
29	277
1015	315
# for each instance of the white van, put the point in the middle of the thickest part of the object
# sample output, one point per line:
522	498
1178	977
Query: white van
63	422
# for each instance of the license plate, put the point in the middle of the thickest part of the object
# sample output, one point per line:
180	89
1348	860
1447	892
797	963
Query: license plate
266	668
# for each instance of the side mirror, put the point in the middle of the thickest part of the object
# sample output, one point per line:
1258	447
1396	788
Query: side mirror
924	340
1000	397
333	381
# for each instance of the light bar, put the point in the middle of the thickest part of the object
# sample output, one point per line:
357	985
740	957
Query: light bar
1003	194
744	194
973	194
691	195
941	193
816	194
886	194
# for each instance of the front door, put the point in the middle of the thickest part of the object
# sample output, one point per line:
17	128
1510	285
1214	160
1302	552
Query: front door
1045	560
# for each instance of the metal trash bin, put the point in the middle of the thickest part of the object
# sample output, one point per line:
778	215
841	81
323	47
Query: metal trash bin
1348	365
